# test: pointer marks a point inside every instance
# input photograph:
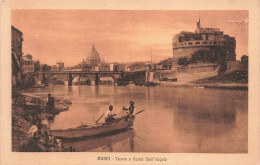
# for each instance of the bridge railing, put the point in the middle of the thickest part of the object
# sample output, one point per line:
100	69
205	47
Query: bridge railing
73	72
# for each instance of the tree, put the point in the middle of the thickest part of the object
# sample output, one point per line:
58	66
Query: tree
183	61
204	56
37	66
46	67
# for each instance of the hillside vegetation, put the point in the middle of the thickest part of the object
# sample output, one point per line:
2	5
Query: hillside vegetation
235	73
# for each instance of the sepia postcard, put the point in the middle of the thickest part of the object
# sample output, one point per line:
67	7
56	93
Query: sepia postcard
140	82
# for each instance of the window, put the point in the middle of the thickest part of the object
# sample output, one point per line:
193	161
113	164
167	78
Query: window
190	43
204	42
215	42
197	43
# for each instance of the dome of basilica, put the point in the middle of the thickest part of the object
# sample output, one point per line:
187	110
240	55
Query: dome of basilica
93	57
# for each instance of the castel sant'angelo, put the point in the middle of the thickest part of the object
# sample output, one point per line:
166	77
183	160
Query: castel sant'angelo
187	43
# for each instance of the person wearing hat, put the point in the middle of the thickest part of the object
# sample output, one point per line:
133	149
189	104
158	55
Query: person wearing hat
130	109
109	117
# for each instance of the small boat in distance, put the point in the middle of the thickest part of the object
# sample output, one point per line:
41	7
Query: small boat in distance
61	108
39	86
95	129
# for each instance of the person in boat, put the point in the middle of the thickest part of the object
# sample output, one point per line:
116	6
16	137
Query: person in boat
109	117
131	108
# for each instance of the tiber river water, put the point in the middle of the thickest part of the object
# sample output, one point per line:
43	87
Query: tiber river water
175	119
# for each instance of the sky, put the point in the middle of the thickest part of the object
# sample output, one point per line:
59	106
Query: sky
118	35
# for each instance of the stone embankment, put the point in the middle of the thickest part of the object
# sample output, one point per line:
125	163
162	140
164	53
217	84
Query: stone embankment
205	85
235	77
28	133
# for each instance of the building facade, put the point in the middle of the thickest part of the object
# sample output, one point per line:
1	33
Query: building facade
104	68
60	65
185	44
16	53
54	68
28	64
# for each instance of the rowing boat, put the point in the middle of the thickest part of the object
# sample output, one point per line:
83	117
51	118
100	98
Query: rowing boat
90	144
61	108
94	130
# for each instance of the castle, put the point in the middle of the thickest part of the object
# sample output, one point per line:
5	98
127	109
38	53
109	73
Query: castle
185	43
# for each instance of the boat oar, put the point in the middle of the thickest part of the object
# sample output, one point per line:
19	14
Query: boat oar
139	112
100	118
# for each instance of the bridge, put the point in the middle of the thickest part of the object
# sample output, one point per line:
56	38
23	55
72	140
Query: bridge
92	76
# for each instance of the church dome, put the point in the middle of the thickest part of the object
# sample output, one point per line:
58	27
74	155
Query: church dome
93	57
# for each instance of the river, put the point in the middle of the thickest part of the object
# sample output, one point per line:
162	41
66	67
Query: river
187	120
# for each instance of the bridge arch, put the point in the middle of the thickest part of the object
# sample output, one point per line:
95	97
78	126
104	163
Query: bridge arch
108	75
81	76
68	76
55	78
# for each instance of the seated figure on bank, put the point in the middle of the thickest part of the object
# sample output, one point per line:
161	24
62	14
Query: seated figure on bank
34	130
109	116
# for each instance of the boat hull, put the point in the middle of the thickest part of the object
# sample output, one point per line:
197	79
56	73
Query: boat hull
97	129
89	144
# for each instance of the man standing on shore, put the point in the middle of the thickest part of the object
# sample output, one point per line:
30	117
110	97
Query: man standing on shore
50	102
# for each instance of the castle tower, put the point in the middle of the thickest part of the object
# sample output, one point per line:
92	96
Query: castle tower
185	44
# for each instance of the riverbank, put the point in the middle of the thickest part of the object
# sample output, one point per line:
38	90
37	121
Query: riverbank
26	110
234	80
234	86
231	86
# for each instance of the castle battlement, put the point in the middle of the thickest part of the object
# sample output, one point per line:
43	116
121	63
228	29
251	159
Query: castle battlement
184	44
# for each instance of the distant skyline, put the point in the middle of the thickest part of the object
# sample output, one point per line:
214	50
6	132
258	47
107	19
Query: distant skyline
118	35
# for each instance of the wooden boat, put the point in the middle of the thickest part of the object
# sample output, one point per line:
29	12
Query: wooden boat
32	105
39	86
101	141
94	130
61	108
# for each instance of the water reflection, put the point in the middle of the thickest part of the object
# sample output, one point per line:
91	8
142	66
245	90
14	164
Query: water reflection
175	119
97	91
212	125
105	143
69	89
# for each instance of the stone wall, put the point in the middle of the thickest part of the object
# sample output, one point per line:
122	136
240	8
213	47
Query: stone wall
188	73
185	52
188	51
